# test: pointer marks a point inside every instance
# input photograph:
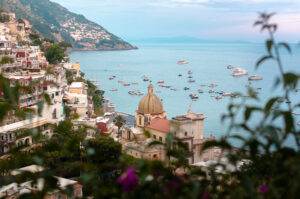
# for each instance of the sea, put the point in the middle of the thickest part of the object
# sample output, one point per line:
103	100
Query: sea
208	63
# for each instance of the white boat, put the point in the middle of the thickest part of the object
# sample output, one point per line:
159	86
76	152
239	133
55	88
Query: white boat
180	62
230	66
239	72
227	94
193	96
113	89
298	123
295	113
212	85
174	89
219	97
92	80
211	91
190	72
255	77
297	89
121	81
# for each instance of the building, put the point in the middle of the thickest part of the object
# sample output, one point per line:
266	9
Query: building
151	117
13	190
150	107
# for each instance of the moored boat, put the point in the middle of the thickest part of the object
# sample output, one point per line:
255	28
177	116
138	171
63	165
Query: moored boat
230	66
191	81
113	89
226	94
126	84
121	81
200	91
134	83
161	82
255	77
186	88
239	72
212	85
180	62
193	96
211	91
203	85
190	72
219	97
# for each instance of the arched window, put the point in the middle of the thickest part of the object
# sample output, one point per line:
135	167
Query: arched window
140	120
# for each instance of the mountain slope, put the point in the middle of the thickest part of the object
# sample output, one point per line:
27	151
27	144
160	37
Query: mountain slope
56	22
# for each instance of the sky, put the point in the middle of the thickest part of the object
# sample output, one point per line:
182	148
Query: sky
224	20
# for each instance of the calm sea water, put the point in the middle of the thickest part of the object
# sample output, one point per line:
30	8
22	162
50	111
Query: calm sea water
208	63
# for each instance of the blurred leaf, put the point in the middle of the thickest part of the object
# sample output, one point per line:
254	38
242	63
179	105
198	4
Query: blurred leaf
249	111
269	45
286	46
261	60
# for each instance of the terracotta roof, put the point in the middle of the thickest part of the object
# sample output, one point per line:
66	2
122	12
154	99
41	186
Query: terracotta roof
159	124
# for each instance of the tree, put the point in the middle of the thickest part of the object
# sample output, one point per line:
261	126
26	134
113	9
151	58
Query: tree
54	54
65	45
119	122
6	60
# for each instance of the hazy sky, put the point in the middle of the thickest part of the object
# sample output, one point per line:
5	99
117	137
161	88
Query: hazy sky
205	19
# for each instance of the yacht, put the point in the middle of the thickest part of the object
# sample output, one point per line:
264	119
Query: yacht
230	66
218	97
181	62
200	91
239	72
255	77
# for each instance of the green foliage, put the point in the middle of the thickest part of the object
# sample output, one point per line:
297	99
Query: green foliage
6	60
119	121
54	54
65	45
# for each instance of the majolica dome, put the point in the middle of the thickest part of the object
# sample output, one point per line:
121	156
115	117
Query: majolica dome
150	103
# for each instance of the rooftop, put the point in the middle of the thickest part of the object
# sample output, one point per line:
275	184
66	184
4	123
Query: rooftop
159	124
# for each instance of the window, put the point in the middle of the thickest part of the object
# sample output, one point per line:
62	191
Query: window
185	133
160	138
56	93
140	120
154	136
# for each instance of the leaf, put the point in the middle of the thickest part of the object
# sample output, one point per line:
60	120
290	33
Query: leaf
286	46
269	45
249	111
290	80
214	143
261	60
257	23
270	104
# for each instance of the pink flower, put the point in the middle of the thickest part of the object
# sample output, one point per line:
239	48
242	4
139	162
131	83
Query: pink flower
263	188
128	180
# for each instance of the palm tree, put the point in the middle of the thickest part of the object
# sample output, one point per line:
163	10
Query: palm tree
119	121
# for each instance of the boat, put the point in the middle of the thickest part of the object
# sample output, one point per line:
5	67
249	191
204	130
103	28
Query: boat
230	66
191	81
174	89
134	83
288	101
190	76
121	81
111	78
113	89
212	85
245	95
200	91
203	85
92	80
126	84
161	82
131	92
298	123
211	91
190	72
219	97
139	93
280	100
193	96
226	94
239	72
179	75
295	113
181	62
145	79
212	96
297	89
186	88
255	77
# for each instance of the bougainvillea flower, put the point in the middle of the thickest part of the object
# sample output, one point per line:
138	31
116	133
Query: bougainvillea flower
128	180
263	188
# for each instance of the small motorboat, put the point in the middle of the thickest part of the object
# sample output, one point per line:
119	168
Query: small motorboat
211	91
200	91
179	75
298	123
191	81
212	85
126	84
193	96
134	83
92	80
113	89
239	72
190	72
111	78
190	76
219	97
131	92
230	66
121	81
255	77
226	94
186	88
181	62
161	82
280	100
174	89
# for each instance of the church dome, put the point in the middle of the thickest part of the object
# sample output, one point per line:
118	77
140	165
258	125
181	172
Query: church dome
150	103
